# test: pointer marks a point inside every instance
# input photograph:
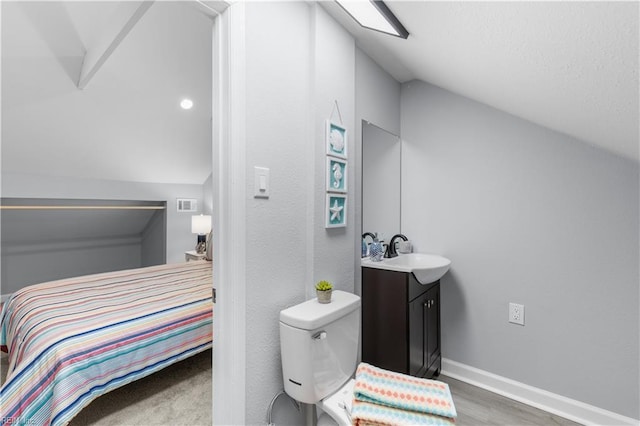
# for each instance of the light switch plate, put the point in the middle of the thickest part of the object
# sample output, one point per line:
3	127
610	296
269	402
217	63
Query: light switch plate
261	182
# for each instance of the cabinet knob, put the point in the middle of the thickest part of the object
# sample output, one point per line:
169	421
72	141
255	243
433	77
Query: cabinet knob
427	304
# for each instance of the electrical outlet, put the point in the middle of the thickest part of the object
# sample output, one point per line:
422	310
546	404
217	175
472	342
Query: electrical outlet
516	313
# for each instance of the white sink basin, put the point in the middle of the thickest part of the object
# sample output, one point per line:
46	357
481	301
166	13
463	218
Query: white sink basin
427	268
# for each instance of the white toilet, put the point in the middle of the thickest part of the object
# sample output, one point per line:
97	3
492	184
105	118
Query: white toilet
319	348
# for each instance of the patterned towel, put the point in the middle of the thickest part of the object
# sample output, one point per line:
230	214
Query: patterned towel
383	397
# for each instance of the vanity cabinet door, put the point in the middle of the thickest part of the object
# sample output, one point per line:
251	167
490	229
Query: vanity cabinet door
432	329
418	318
384	319
400	323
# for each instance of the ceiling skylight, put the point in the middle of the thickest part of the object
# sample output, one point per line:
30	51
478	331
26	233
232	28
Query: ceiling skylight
375	15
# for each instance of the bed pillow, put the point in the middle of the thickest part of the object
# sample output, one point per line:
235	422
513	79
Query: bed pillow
209	252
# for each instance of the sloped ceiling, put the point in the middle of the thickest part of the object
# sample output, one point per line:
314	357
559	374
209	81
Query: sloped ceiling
126	124
570	66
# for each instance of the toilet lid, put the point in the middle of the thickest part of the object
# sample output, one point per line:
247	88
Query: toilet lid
339	403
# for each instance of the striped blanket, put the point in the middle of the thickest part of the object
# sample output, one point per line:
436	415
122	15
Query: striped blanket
70	341
383	397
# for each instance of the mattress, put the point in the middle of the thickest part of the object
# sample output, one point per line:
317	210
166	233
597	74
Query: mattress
70	341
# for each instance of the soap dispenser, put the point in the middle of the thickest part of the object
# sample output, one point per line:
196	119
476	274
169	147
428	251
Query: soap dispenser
376	251
365	246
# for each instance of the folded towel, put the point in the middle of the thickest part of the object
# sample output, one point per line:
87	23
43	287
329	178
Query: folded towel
388	397
368	414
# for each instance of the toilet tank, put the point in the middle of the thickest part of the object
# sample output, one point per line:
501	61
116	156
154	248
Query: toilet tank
319	346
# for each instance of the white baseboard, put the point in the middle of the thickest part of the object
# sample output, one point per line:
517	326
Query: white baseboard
553	403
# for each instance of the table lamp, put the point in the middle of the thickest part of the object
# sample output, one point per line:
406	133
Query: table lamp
201	225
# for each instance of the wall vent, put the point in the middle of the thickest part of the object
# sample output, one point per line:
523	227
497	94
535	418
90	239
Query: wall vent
187	205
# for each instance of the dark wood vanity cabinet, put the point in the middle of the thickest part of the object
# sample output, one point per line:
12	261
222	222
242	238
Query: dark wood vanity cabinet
400	323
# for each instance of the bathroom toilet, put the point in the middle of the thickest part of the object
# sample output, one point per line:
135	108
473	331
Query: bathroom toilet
319	349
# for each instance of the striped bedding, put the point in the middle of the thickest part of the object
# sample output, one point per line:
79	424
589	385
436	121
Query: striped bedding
70	341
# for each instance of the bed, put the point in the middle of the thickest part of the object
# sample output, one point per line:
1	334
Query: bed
70	341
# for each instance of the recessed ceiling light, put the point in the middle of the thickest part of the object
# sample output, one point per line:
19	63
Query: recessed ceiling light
186	104
375	15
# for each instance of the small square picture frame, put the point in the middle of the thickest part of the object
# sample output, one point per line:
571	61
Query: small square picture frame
336	211
336	138
337	170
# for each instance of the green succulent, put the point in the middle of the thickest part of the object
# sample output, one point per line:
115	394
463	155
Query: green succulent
324	285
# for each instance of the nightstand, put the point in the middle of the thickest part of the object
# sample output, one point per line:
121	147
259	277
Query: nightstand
193	255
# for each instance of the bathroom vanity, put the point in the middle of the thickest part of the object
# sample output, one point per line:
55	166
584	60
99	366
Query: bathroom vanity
400	322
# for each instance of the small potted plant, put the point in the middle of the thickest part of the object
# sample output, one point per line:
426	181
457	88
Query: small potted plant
323	290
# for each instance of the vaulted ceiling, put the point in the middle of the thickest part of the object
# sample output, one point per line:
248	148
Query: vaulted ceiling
126	123
571	66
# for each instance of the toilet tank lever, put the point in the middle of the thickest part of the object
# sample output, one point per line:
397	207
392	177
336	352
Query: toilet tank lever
320	335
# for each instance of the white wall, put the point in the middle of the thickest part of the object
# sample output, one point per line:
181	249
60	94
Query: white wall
333	73
278	137
298	62
179	237
531	216
377	95
207	195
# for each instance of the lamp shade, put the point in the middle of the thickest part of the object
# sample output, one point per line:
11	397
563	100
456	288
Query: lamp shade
200	224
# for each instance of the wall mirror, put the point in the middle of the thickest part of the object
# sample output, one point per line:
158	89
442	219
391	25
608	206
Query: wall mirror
380	181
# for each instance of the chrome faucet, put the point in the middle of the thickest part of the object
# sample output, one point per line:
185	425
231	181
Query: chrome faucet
391	248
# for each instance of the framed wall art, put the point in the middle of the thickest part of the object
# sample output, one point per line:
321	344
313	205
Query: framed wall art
336	211
336	136
336	175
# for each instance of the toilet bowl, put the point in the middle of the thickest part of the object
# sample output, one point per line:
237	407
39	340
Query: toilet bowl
337	407
319	349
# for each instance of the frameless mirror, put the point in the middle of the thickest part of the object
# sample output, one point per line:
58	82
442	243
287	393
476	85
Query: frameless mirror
380	181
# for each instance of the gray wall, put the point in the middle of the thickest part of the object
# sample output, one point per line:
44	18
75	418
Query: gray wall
25	264
154	242
179	237
44	244
531	216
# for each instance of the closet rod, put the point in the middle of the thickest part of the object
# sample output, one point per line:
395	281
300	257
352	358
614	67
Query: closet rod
82	207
